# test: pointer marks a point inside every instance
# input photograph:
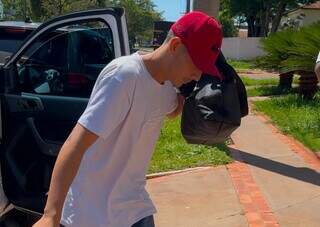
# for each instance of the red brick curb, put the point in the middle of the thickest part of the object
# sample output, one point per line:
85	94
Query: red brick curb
306	154
256	209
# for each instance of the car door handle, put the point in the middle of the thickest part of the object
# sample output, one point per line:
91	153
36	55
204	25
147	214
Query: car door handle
31	103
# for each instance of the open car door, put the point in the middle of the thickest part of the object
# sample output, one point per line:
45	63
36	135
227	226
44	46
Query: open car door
44	88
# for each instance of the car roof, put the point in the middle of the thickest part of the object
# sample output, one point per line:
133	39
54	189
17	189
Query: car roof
19	24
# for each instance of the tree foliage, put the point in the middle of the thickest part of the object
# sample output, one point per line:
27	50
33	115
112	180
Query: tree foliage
16	9
140	13
226	20
260	13
291	50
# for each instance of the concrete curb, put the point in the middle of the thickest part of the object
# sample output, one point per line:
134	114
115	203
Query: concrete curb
163	174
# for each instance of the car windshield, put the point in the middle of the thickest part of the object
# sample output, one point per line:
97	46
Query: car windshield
10	40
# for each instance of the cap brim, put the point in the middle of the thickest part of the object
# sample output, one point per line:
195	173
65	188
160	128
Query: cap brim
205	61
213	71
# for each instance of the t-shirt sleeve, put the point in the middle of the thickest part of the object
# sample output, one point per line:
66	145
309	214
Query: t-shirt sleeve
318	59
108	105
172	98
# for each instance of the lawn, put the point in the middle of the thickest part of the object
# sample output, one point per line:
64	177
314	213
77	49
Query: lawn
259	82
295	116
267	87
263	82
241	64
173	153
270	91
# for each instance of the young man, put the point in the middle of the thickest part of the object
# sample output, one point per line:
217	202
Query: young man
317	67
99	175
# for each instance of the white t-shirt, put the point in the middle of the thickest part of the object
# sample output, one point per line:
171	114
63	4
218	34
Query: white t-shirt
126	109
318	59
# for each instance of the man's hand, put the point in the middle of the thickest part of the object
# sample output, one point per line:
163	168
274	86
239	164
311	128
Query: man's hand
179	108
47	222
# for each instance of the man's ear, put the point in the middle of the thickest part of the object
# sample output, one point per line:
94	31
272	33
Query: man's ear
174	44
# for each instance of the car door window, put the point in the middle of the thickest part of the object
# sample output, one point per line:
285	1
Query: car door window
67	60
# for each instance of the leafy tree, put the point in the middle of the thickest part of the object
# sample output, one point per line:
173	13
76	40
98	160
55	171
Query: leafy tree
54	8
16	9
36	9
141	15
260	13
293	51
226	20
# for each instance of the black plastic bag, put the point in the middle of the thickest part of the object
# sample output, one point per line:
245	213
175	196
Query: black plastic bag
214	108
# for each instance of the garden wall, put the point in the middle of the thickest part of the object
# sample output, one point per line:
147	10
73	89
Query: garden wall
241	48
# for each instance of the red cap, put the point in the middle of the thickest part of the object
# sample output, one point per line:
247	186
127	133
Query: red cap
202	36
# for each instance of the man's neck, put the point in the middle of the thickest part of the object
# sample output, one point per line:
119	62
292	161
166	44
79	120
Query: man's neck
154	65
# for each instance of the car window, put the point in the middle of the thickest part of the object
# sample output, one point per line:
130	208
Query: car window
10	40
66	61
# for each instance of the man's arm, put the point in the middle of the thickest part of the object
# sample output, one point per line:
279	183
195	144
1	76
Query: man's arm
317	70
65	169
179	108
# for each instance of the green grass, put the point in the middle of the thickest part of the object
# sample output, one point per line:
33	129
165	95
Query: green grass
262	82
173	153
295	116
269	91
243	64
259	82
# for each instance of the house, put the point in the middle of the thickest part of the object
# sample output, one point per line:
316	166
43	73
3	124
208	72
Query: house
302	16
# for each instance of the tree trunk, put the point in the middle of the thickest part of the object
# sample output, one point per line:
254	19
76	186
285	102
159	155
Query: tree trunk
262	23
101	3
277	19
266	21
257	27
251	27
36	9
285	81
60	7
308	85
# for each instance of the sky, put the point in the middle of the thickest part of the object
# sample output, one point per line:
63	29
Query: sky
172	9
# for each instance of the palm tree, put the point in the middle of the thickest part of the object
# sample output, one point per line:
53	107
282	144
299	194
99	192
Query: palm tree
294	52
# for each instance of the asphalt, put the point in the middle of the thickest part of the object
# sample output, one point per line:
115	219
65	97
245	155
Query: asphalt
274	181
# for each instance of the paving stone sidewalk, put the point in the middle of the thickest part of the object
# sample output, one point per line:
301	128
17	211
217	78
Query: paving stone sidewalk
274	181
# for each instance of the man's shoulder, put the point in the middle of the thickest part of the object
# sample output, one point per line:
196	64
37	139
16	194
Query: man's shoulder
124	68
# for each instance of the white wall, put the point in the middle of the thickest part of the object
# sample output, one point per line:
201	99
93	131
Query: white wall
241	48
312	16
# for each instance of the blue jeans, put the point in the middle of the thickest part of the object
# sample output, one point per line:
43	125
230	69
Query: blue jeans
145	222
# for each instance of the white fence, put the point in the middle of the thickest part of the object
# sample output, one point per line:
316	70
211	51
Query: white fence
241	48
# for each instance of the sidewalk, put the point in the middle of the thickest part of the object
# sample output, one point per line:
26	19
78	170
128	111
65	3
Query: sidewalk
273	182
